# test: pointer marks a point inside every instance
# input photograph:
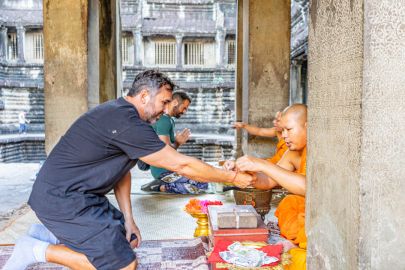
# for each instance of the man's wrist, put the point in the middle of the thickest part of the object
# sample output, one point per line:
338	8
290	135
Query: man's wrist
128	216
234	176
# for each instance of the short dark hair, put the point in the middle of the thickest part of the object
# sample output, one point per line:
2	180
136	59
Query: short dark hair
181	96
152	80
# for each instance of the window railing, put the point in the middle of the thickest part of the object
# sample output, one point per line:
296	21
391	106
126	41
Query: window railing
194	54
165	53
231	52
34	47
127	50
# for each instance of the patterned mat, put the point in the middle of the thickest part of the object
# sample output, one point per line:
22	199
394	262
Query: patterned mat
152	255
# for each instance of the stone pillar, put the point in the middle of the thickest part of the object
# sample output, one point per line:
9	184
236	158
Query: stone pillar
20	44
356	166
179	51
3	42
138	44
65	66
263	66
81	58
238	77
220	42
109	46
93	57
296	91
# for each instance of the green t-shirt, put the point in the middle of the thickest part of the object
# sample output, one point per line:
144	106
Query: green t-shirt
164	126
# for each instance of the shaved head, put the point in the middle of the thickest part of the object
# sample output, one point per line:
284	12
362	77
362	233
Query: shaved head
296	111
294	124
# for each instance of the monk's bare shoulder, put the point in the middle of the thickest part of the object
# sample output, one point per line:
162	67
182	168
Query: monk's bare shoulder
291	157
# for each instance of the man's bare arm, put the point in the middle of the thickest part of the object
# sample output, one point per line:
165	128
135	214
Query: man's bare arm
195	169
166	140
122	191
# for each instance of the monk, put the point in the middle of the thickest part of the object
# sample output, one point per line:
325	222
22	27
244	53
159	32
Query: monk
274	131
290	173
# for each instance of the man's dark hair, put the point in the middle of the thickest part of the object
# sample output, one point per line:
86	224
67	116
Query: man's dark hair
152	80
181	96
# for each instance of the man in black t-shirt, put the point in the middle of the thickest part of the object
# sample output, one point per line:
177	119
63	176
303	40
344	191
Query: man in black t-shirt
92	158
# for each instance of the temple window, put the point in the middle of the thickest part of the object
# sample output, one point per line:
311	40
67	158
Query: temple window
199	54
11	46
165	52
230	51
34	47
127	49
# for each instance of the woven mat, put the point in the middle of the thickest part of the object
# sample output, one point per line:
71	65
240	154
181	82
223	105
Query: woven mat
152	255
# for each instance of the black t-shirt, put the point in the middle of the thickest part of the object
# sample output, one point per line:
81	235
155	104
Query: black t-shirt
93	155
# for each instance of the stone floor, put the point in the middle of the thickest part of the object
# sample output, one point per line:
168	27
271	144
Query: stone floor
15	186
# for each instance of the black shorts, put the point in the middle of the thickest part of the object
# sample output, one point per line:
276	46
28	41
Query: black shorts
98	232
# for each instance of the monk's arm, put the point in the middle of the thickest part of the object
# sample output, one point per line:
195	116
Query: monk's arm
277	175
264	132
264	182
193	168
270	175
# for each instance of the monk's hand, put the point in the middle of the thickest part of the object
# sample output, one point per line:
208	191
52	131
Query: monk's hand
244	180
229	165
183	136
131	228
239	125
248	164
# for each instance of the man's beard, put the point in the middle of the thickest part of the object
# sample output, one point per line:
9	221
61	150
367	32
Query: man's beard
176	113
150	112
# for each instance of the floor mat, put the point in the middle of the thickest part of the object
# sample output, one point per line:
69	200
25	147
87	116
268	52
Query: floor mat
152	255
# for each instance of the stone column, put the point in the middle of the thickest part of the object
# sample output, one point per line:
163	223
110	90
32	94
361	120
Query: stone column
238	77
220	42
20	44
109	47
179	51
3	42
296	91
81	48
65	66
356	165
138	44
264	66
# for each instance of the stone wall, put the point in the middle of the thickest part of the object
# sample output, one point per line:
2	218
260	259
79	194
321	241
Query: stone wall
22	148
264	63
356	150
211	111
16	100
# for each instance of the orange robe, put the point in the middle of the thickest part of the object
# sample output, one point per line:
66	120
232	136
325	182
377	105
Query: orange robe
280	150
291	221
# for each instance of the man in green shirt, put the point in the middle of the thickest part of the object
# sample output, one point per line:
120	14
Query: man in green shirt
167	181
